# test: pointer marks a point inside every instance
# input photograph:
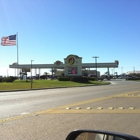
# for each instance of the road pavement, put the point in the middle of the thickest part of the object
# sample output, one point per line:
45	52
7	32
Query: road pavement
51	114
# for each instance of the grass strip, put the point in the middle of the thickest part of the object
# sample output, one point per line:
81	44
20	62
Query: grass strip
38	84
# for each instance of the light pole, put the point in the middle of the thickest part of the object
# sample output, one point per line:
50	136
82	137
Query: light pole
96	65
31	74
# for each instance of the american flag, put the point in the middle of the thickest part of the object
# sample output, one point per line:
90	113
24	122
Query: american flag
8	41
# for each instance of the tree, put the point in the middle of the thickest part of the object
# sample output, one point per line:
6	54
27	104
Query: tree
46	73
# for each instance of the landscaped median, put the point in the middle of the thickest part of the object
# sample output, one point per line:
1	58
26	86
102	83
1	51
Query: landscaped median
42	84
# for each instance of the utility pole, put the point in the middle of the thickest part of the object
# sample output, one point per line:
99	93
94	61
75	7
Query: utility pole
31	74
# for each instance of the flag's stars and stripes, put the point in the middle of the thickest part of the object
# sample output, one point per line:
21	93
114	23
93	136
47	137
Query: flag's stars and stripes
8	41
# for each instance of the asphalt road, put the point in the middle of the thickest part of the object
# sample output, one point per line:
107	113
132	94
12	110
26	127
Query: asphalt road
51	114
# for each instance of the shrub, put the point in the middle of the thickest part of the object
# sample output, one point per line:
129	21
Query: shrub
64	79
80	79
1	79
138	78
4	79
8	79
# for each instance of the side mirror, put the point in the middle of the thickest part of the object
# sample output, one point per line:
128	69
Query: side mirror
98	135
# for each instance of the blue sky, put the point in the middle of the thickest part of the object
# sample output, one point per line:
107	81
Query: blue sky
50	30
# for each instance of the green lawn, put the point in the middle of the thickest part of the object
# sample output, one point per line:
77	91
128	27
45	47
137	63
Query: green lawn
37	84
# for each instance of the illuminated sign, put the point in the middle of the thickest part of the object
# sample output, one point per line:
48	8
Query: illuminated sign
72	70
